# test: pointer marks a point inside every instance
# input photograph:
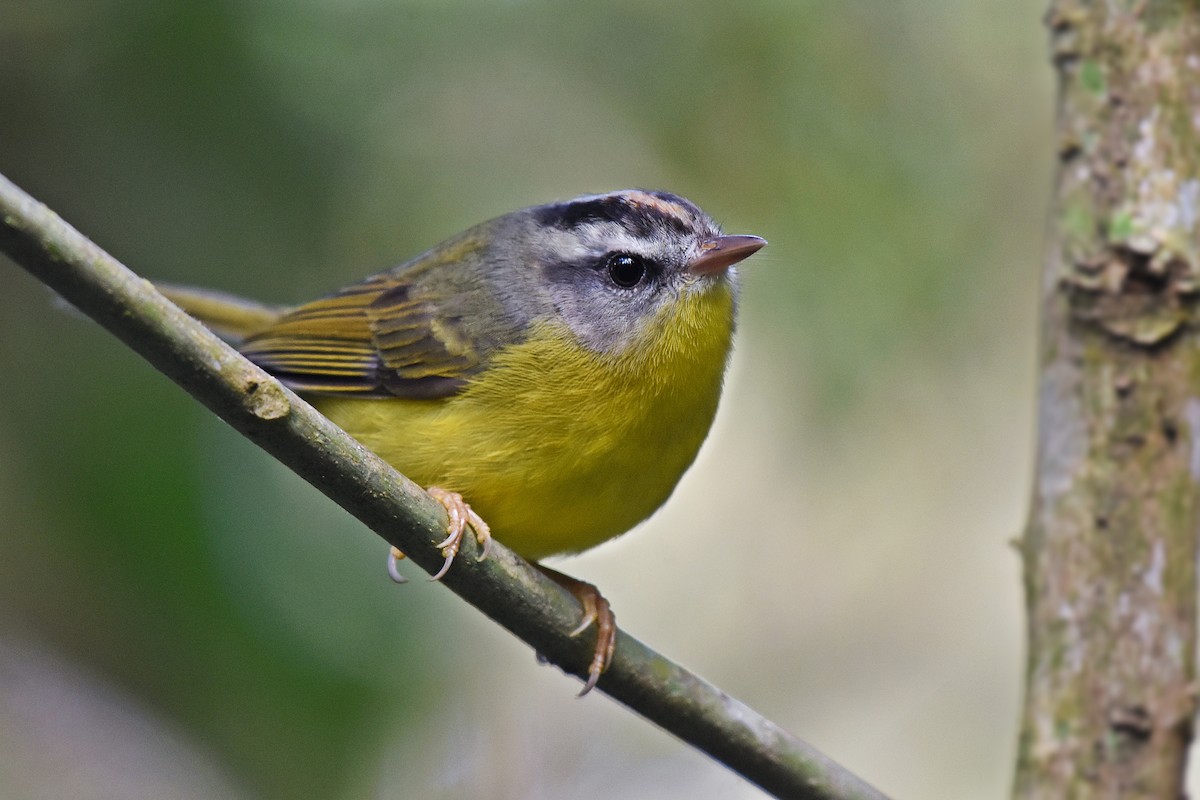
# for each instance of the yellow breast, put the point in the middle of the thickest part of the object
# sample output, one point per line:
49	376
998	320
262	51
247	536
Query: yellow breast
560	448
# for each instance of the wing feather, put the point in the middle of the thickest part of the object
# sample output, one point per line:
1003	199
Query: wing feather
383	337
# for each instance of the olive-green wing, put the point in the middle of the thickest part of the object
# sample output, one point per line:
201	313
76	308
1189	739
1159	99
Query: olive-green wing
384	337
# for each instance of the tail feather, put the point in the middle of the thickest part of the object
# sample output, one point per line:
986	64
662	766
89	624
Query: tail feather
231	317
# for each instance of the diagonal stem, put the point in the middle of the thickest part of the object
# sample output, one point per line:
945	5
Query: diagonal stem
503	586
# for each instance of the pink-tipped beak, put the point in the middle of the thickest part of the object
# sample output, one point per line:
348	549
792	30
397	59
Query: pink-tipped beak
721	253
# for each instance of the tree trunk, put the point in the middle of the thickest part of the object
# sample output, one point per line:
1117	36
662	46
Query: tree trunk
1111	544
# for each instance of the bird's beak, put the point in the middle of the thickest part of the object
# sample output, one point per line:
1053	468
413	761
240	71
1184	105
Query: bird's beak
722	252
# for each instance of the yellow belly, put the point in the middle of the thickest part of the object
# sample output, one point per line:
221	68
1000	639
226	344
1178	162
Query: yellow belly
557	447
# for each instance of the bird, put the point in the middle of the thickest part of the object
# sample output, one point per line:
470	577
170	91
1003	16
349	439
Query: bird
549	374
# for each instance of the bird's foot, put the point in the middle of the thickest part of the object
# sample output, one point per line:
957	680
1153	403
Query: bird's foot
461	517
595	609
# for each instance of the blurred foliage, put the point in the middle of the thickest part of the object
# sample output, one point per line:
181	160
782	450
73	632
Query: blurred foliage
894	152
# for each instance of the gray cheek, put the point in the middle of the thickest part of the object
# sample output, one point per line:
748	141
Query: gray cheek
605	321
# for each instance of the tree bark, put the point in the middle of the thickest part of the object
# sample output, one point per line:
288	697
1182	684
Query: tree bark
1111	543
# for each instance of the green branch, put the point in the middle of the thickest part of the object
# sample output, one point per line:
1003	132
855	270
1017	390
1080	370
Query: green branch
503	586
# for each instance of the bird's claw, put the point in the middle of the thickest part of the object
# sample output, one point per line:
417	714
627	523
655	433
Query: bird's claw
395	556
595	609
462	516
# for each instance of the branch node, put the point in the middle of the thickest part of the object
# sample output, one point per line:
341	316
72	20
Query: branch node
265	398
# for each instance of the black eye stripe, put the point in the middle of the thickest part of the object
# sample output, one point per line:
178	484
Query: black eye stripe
640	220
573	271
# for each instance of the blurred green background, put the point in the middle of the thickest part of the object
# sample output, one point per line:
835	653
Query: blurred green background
180	617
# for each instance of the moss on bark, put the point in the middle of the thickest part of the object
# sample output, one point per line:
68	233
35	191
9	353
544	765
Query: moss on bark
1110	548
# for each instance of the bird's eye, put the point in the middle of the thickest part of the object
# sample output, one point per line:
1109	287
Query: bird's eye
626	270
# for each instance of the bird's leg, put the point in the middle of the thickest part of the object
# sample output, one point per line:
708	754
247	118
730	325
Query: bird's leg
461	517
595	609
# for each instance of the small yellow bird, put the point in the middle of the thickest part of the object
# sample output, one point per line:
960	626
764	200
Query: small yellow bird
558	366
